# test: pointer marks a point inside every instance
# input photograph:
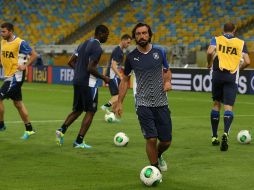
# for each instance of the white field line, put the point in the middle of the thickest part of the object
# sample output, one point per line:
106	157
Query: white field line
130	118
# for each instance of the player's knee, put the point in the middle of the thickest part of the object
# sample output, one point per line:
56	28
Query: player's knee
216	105
151	140
18	105
166	143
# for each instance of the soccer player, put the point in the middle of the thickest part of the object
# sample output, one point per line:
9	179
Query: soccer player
225	72
153	80
113	71
14	59
84	62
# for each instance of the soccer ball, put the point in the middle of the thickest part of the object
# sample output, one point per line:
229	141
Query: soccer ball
244	137
121	139
110	117
150	176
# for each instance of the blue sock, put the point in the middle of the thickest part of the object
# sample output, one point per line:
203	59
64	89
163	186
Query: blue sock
215	119
228	118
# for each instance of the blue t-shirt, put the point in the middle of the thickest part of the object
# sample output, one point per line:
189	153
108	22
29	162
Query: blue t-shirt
86	51
148	69
117	55
25	48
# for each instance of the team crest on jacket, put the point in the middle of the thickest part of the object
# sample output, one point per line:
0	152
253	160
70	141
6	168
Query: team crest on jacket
156	56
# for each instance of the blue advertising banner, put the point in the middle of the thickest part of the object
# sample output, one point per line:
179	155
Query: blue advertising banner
64	75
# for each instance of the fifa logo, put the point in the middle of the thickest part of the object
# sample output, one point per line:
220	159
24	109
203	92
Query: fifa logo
7	54
226	49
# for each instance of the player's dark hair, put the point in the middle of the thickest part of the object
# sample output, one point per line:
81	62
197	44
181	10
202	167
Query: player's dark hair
101	29
141	25
229	27
125	37
8	25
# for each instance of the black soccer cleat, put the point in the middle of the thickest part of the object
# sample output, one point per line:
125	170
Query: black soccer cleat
224	142
215	141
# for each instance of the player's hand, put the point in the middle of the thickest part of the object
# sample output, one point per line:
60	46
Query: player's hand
22	67
117	109
167	86
106	79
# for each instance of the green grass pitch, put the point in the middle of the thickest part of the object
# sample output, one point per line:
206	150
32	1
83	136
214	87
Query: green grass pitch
39	164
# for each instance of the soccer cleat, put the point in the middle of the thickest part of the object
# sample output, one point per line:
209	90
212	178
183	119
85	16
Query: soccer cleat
224	142
27	134
215	141
81	145
59	138
3	128
162	164
104	108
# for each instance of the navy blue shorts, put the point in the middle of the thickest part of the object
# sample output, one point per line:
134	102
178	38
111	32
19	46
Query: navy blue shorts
155	122
224	87
85	98
113	86
11	89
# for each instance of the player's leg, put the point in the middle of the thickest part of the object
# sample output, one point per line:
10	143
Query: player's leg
16	95
113	88
62	130
77	110
162	147
215	119
90	100
69	120
164	129
217	96
25	117
2	126
147	124
230	90
151	151
3	94
86	123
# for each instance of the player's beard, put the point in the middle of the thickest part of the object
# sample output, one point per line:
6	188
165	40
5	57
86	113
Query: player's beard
143	43
7	37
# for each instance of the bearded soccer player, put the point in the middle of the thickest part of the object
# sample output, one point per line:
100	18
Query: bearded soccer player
14	59
153	80
225	71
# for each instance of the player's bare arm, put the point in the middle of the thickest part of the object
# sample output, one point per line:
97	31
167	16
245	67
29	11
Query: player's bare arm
92	68
115	69
210	52
33	57
167	80
246	62
72	61
123	87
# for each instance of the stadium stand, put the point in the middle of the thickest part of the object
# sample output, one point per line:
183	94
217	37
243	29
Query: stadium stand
190	23
45	22
186	23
